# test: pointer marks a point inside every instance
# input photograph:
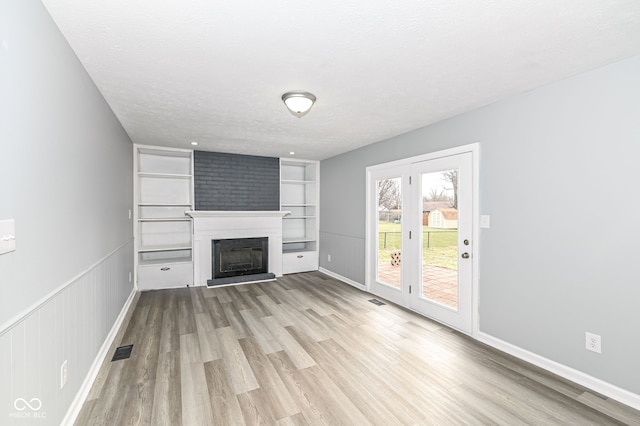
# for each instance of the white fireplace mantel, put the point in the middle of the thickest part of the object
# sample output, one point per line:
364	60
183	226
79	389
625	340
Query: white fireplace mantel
249	213
213	225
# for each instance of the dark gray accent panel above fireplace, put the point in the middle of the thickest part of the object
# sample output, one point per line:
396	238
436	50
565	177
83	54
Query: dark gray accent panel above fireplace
233	182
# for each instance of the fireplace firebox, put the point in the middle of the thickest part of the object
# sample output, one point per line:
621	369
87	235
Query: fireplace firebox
239	260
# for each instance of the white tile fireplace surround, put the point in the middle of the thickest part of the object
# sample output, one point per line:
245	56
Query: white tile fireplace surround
214	225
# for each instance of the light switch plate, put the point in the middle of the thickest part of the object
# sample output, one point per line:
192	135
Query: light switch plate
7	236
485	221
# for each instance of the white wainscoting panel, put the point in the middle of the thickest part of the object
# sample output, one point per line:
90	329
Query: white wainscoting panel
347	255
70	324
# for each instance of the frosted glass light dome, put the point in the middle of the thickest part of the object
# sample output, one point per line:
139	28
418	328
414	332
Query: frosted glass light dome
298	103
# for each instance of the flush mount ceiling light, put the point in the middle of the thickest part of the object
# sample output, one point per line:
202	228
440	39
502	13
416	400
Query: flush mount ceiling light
299	103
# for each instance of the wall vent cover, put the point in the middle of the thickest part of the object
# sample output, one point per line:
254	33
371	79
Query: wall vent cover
123	352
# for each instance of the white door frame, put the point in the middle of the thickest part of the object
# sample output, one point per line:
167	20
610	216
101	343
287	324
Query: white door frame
371	241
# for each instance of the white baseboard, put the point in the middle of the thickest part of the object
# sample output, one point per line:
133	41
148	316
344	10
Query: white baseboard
341	278
600	386
83	392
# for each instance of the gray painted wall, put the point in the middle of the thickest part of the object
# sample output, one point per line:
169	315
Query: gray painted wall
558	172
233	182
66	174
66	178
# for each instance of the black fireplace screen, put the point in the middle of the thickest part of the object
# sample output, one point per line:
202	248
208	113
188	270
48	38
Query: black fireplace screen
239	256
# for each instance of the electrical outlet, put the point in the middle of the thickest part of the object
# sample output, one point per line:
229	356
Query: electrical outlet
328	258
593	342
63	374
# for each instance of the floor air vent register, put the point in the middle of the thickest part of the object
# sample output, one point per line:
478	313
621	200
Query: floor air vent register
123	352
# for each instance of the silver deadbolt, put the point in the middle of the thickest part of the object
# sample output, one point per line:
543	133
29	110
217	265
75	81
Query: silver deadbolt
466	242
465	255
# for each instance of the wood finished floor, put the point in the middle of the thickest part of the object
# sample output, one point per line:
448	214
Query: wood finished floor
308	349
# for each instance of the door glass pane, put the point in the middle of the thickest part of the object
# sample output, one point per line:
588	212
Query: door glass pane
440	237
389	193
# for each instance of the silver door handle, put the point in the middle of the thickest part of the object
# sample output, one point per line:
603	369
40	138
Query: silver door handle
465	255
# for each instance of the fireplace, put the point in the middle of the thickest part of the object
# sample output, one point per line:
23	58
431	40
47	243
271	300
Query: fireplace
238	260
217	225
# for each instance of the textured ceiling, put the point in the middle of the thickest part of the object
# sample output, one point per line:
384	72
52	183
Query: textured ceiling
176	71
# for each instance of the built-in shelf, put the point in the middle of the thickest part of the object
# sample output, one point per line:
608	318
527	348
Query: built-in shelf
302	249
299	195
227	214
187	206
163	175
296	240
163	261
298	182
164	192
165	248
165	219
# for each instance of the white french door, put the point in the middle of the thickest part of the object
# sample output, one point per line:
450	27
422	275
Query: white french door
388	197
420	236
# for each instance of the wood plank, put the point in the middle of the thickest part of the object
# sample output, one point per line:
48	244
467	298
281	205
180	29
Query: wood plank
222	293
301	359
224	403
255	408
215	311
265	339
143	364
329	405
135	328
242	377
373	381
352	385
196	405
295	420
239	302
207	337
186	323
169	336
197	300
137	410
167	401
275	393
250	299
189	348
276	309
238	324
306	300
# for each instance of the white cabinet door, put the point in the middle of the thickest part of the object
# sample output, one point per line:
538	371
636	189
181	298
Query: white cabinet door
151	277
299	262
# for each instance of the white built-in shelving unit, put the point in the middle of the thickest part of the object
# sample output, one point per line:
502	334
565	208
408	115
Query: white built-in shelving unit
299	180
163	191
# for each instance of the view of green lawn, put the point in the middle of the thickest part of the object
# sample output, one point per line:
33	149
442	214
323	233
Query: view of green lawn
439	245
